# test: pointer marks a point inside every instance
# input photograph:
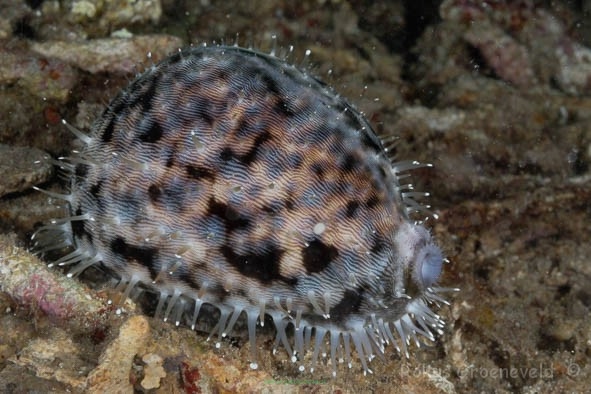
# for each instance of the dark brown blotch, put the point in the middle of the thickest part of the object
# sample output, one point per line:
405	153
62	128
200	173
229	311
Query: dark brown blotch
372	201
81	170
171	196
143	255
350	162
273	207
230	216
170	160
351	209
227	154
153	134
289	203
271	84
113	112
250	156
185	276
370	140
319	170
349	304
204	109
145	99
95	189
174	58
263	265
107	134
282	108
379	245
154	192
198	173
78	229
318	255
